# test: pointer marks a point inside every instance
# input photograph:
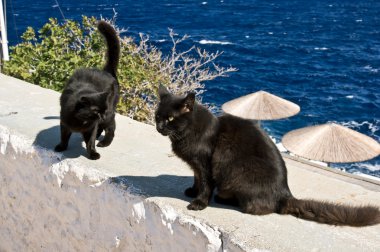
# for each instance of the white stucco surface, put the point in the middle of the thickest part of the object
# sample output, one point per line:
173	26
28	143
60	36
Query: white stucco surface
50	204
131	199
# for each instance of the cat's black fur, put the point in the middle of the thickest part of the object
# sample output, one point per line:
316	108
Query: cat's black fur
89	99
236	157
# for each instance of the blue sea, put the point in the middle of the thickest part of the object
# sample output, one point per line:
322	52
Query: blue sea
322	55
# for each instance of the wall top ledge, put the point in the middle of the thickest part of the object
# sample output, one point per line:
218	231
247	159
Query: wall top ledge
142	159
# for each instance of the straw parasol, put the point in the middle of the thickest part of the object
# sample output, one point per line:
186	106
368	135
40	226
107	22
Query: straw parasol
261	106
331	143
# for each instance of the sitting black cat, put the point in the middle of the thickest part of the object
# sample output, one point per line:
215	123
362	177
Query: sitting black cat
89	99
238	158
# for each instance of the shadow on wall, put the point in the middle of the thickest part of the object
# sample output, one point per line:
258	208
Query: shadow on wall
171	186
49	138
168	186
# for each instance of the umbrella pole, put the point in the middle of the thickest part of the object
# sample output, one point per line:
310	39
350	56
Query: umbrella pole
3	30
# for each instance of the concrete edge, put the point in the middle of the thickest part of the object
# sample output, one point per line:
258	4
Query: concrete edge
311	165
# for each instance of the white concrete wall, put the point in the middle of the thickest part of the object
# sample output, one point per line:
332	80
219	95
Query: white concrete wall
50	205
67	203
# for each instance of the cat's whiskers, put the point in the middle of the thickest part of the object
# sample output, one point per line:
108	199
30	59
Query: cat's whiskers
174	135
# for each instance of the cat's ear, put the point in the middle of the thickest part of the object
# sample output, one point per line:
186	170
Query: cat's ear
163	91
188	103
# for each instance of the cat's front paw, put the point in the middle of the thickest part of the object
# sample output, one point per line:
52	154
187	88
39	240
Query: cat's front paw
191	192
94	156
60	148
197	205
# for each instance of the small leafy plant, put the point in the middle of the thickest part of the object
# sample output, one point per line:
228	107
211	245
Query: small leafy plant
49	57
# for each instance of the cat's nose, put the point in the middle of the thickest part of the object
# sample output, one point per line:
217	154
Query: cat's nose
160	127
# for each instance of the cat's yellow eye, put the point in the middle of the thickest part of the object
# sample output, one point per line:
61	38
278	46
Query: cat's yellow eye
170	118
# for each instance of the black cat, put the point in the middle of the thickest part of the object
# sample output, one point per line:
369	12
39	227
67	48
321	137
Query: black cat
89	99
237	157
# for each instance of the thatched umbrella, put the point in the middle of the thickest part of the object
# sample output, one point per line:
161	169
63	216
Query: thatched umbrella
331	143
261	106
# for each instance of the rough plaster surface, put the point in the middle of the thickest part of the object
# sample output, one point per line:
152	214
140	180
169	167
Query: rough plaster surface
50	204
71	203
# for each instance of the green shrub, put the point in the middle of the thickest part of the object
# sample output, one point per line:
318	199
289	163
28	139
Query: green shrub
49	58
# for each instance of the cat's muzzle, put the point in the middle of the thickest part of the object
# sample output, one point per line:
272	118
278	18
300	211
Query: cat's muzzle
162	131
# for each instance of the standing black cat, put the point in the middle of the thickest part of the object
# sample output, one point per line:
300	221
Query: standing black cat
89	99
237	157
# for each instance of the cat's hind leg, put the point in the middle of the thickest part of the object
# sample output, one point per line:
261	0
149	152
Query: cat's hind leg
65	137
109	134
257	206
226	198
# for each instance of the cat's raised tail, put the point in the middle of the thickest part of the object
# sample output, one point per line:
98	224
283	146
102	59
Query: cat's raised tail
330	213
113	47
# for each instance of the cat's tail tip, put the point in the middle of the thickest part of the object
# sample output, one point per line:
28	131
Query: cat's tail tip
331	213
105	27
113	45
